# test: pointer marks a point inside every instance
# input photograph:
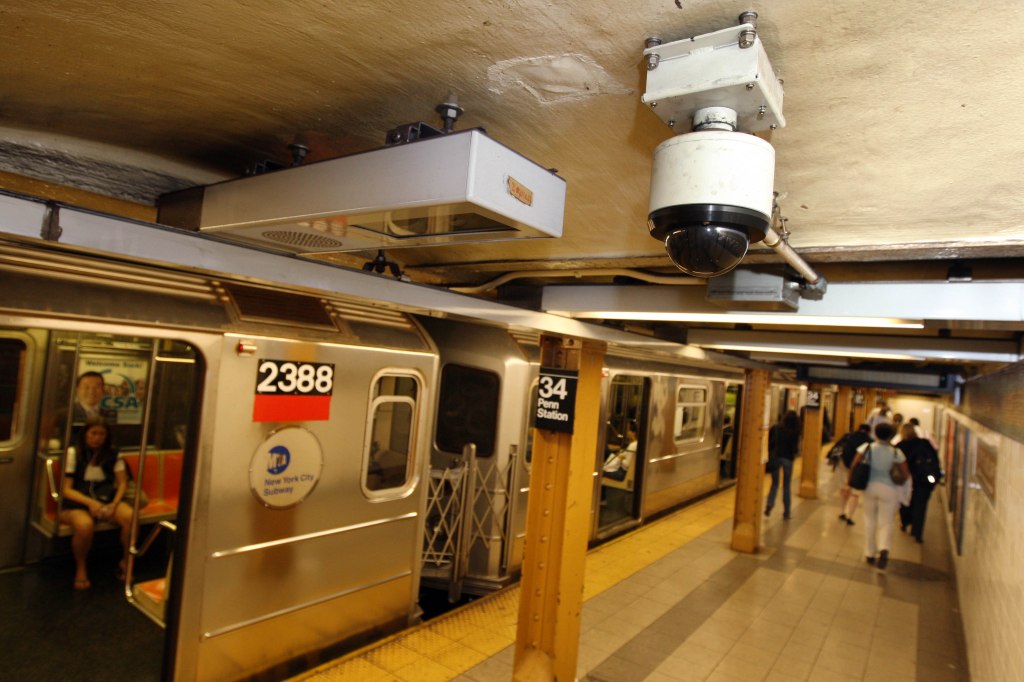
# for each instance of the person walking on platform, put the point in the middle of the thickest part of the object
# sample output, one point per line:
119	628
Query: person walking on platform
925	473
881	498
854	440
783	444
880	414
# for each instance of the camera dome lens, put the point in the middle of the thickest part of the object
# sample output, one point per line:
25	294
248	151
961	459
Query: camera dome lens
706	250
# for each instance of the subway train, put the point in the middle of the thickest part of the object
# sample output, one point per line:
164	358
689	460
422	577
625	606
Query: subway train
309	462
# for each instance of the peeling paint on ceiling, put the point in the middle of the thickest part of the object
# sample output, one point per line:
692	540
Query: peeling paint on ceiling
555	78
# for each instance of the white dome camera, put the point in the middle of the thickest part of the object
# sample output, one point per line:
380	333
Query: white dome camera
711	195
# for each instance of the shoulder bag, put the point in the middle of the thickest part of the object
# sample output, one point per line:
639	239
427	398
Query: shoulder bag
897	474
133	489
861	473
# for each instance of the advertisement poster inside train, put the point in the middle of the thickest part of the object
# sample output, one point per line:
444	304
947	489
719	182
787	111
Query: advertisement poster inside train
124	386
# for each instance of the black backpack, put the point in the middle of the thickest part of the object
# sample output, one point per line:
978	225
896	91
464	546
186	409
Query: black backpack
854	440
925	464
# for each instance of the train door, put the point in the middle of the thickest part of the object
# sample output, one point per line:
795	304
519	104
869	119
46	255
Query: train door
621	462
145	390
20	362
730	430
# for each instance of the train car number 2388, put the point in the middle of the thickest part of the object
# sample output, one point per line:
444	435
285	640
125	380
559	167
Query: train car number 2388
293	391
282	377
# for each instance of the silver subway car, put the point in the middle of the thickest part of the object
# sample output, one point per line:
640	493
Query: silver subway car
279	438
674	422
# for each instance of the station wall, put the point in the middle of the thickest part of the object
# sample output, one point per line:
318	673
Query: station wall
983	444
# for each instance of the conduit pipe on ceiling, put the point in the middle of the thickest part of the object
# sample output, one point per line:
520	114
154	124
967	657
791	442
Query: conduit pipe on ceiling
814	289
576	274
775	241
815	284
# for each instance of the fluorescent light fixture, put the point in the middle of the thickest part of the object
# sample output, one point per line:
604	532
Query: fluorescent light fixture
879	347
844	352
797	356
749	318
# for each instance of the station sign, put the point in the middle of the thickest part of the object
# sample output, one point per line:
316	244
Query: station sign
556	400
813	398
287	390
286	467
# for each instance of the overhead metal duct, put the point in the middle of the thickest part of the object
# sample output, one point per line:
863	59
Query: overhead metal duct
454	188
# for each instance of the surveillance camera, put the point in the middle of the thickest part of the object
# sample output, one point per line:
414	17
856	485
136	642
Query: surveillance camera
711	195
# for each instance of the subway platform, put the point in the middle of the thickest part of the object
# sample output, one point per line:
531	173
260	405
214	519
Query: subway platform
671	602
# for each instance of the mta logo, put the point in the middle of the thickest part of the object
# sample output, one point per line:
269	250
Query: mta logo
278	460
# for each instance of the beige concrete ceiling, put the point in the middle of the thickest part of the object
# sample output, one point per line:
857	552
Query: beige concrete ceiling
903	137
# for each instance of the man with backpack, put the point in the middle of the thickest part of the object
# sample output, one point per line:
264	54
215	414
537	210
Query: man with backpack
851	442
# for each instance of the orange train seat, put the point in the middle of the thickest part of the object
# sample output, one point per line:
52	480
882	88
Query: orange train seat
161	483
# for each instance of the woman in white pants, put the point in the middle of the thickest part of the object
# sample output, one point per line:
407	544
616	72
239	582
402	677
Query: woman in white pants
881	499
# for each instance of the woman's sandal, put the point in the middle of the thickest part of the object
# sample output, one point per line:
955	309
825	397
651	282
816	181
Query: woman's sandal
82	584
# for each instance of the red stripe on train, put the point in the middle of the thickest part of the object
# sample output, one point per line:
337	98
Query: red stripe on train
291	408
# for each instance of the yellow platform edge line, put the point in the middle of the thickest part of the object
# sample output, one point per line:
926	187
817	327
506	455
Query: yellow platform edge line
613	561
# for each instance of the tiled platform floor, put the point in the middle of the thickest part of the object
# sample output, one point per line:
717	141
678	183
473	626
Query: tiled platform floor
672	603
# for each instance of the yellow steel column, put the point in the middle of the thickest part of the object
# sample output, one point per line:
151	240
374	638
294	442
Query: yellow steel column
810	443
843	417
746	525
558	523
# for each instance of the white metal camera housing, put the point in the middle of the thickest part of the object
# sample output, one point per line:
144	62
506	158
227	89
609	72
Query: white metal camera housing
711	195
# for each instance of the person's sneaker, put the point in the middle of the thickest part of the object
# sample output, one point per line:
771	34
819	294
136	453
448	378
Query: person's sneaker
842	517
883	559
768	511
786	517
870	560
849	521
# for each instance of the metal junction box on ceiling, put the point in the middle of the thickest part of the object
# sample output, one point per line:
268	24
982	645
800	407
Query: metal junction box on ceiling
713	70
747	290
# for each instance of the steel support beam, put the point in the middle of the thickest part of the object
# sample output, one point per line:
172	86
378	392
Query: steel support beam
810	445
843	418
558	524
746	525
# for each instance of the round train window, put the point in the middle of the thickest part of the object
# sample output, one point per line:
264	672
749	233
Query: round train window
286	467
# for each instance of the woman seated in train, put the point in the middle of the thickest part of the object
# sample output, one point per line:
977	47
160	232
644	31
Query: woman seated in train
94	484
617	464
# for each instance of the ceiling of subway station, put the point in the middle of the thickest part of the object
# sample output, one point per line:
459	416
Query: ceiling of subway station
901	156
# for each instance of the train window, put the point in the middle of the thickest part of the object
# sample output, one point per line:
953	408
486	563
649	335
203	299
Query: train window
467	410
12	367
690	407
390	447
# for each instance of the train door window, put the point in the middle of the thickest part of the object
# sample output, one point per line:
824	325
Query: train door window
621	464
691	402
467	410
12	370
391	436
